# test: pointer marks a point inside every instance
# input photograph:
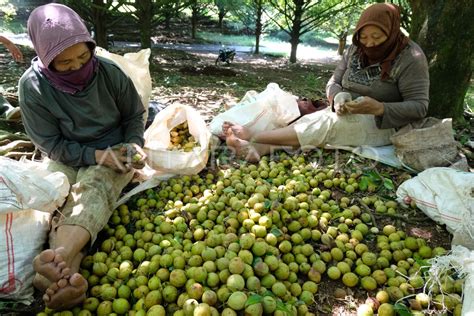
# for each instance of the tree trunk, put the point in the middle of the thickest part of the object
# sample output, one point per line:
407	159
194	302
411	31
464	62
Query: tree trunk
342	43
100	24
194	20
145	14
258	25
296	29
220	23
444	30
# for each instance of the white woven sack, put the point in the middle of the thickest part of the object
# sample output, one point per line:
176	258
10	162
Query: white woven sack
270	109
136	66
445	195
22	237
157	140
27	185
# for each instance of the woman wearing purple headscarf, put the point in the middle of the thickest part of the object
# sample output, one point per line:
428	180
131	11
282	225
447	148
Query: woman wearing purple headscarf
86	116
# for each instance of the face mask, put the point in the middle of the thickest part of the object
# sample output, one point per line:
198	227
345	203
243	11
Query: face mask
72	81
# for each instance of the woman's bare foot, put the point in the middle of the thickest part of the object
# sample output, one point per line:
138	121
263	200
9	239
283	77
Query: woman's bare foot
238	130
242	148
40	282
66	293
51	264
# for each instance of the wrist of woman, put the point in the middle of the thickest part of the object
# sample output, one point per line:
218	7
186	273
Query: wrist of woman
380	110
98	156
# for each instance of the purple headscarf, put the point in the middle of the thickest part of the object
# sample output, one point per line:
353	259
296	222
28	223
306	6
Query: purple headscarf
52	29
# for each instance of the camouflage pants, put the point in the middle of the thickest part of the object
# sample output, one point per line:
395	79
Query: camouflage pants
94	190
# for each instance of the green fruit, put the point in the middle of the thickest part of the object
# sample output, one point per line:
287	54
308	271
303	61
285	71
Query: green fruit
254	309
364	310
368	283
423	299
382	296
350	279
386	309
417	281
236	282
202	309
120	306
369	258
425	252
269	304
237	300
334	273
362	270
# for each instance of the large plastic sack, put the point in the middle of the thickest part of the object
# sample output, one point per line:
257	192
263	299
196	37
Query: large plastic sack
270	109
446	196
27	185
136	66
23	234
157	140
28	195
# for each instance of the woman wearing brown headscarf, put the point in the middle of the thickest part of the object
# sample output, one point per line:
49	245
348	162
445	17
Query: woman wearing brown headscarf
383	69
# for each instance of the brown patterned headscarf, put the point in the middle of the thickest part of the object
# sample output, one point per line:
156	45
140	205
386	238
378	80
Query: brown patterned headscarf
386	16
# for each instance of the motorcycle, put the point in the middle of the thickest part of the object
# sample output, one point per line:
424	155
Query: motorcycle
226	55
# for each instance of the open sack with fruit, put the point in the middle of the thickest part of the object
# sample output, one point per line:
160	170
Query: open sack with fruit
28	195
446	196
177	141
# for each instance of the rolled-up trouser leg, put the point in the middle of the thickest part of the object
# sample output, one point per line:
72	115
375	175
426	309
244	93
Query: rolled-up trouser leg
92	198
94	190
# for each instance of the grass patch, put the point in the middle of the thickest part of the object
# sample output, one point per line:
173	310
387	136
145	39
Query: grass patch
239	40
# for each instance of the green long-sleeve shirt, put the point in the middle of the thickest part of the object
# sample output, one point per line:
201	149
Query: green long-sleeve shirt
69	128
405	94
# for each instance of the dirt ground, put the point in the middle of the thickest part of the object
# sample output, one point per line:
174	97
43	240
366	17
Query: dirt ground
194	79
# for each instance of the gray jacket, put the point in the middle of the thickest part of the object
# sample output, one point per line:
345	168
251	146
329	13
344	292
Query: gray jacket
69	128
405	94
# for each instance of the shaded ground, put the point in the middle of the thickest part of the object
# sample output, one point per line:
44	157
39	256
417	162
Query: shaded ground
193	79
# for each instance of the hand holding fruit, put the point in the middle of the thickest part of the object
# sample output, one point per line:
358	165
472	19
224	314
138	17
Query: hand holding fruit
134	154
340	100
112	158
364	105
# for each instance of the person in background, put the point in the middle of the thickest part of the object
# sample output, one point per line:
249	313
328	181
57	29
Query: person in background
6	109
387	73
86	116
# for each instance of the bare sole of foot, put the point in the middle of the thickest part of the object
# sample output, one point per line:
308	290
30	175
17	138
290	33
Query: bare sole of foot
51	265
66	293
238	130
242	148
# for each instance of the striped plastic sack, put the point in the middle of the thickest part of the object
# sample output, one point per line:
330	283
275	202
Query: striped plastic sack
22	237
28	195
446	195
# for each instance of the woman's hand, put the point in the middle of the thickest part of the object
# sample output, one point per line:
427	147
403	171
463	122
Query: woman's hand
136	157
112	158
364	105
122	158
